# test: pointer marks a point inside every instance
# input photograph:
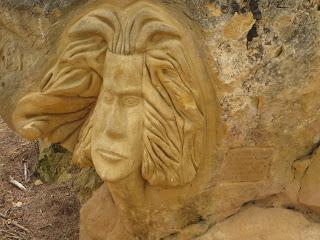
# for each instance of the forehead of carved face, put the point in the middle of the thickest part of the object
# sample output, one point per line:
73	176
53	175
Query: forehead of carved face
117	131
123	74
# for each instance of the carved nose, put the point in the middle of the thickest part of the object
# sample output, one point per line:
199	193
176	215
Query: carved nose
114	132
115	124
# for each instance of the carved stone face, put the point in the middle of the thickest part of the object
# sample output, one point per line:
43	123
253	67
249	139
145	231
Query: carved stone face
117	133
126	94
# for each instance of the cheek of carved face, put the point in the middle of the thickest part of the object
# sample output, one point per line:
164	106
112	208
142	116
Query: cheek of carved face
117	131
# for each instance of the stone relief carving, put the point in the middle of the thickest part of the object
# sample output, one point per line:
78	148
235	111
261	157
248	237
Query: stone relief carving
158	183
130	95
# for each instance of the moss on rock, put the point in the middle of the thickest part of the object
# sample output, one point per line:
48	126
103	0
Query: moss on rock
55	167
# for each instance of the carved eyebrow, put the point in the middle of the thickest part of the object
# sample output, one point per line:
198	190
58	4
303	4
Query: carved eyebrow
130	91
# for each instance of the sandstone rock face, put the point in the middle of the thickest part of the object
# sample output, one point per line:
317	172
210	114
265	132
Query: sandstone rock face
309	194
255	223
224	97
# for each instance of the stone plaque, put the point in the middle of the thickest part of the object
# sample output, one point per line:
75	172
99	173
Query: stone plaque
250	164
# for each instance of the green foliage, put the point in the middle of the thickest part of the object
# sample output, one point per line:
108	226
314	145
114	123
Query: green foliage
55	166
54	163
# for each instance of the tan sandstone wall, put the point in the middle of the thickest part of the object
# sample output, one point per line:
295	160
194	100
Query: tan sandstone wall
265	59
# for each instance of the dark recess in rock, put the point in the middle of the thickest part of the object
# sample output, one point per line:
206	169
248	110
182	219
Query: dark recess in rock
254	8
252	33
224	8
235	7
243	10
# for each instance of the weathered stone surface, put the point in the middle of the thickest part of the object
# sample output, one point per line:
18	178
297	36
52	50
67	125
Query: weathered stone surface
99	217
309	193
238	26
262	58
247	164
291	194
54	165
255	223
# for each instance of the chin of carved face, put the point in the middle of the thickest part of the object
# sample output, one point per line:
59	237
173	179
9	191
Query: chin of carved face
117	132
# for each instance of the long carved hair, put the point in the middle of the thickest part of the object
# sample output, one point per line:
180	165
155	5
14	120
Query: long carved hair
62	111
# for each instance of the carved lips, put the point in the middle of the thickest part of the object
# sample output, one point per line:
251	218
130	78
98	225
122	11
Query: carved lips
110	155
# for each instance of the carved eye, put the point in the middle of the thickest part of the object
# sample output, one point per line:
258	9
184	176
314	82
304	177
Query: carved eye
130	101
108	98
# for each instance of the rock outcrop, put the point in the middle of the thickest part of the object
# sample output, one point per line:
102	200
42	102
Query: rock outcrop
262	115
